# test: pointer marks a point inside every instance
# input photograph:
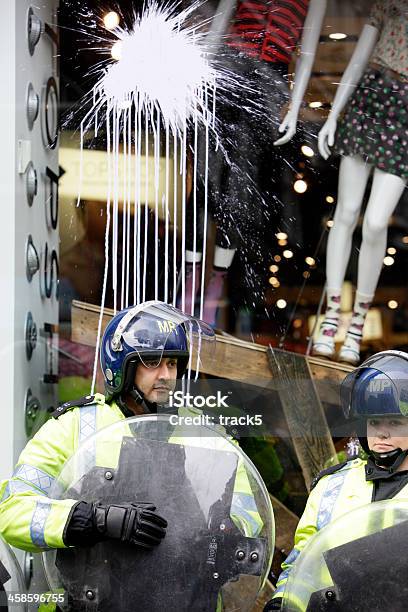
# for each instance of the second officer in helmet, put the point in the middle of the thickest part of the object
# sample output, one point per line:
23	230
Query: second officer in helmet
375	398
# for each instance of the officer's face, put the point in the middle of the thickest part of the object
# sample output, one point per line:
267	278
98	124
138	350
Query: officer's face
387	434
156	382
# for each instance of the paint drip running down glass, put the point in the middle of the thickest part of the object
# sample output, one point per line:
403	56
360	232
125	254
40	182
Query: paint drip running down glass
159	95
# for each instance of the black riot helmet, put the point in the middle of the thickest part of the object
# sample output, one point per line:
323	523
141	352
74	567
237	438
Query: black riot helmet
378	388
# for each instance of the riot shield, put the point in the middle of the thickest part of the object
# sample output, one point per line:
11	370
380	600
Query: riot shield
358	563
220	536
12	587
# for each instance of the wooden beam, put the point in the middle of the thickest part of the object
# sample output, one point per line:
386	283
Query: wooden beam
286	522
230	358
264	596
303	410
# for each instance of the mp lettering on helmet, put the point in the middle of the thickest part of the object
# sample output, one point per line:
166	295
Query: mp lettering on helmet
377	386
166	327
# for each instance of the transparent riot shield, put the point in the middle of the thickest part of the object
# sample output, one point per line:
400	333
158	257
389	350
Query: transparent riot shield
358	563
220	536
12	587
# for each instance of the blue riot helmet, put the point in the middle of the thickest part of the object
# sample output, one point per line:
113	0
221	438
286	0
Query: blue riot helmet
146	334
378	388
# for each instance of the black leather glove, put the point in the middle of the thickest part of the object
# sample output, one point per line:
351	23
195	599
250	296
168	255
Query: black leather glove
136	523
273	605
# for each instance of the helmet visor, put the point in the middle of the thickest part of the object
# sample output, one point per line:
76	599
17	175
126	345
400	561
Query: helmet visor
155	330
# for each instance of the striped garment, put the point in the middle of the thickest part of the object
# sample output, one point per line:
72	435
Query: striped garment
268	29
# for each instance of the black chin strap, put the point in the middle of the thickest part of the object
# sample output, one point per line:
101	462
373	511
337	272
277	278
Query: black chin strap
124	409
390	460
129	388
138	397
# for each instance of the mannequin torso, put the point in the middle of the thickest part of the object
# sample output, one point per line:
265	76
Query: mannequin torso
268	30
391	20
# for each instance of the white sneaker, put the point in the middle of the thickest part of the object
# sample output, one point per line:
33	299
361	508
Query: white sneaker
324	345
349	355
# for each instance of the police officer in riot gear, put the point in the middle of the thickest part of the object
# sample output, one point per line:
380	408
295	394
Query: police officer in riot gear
375	398
89	482
144	349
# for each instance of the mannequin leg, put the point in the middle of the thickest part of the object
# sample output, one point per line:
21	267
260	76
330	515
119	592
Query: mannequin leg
233	213
226	243
193	280
193	256
353	177
385	194
222	261
195	216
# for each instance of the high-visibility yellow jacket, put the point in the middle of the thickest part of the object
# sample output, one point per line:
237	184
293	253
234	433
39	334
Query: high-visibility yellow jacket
334	495
30	520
